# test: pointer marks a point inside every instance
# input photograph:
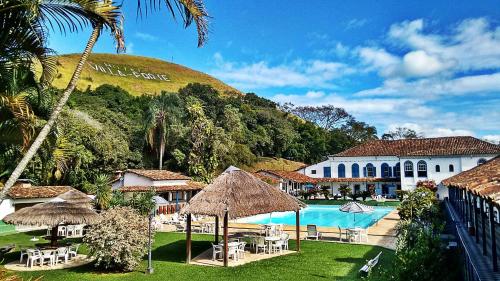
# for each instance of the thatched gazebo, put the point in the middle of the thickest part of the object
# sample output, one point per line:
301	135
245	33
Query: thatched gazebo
236	194
77	197
53	213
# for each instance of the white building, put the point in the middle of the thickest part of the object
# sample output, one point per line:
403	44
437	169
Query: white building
390	165
176	188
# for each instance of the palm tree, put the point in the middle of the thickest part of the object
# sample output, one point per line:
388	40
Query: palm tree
190	10
163	111
102	191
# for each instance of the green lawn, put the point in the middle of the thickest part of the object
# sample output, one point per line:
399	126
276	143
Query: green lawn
317	261
341	202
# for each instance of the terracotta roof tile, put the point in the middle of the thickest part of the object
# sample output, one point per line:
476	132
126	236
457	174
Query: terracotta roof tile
191	185
483	180
423	147
28	192
267	179
159	174
294	176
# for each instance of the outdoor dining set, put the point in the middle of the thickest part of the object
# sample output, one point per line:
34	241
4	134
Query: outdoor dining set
48	255
271	240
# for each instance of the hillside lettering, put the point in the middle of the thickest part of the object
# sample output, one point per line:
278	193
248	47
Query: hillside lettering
126	71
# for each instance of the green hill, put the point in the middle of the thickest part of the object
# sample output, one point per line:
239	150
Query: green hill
135	74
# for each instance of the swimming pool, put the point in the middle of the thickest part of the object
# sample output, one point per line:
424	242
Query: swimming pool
321	215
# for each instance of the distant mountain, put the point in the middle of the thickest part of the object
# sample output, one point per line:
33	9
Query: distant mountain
135	74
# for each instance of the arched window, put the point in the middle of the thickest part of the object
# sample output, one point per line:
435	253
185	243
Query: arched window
438	168
408	169
386	170
397	170
370	170
481	161
451	168
341	171
355	170
422	169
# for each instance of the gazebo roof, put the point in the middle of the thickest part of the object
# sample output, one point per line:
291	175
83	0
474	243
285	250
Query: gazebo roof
76	197
57	211
241	194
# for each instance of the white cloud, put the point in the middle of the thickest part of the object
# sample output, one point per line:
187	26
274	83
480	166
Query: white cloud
313	73
355	23
492	138
419	63
430	131
146	36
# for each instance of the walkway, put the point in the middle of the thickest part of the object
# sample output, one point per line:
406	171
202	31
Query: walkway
79	260
481	266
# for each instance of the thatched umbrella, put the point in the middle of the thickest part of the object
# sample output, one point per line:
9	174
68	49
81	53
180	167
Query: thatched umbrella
53	213
236	194
76	197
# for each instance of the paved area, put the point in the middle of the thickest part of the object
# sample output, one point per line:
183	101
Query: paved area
79	260
205	258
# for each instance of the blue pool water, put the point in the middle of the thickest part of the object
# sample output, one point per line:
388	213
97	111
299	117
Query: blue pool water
321	215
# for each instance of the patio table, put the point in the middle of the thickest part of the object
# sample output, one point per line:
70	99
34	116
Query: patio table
270	240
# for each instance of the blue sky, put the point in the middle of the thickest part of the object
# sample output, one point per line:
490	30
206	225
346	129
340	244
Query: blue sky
433	66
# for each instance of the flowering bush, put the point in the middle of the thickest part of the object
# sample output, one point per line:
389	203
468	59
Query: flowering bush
120	240
429	184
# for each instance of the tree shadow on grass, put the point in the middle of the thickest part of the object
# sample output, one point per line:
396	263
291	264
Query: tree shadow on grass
176	251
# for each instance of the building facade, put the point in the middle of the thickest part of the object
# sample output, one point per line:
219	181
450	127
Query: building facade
390	165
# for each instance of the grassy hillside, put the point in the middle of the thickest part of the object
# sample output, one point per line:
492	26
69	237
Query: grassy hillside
135	74
267	163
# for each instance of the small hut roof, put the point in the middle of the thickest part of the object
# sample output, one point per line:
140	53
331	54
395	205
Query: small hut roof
76	197
53	213
242	195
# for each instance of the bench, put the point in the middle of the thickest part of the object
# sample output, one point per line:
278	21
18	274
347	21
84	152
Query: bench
370	264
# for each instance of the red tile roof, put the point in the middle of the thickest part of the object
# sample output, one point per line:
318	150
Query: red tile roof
191	185
159	174
21	191
267	179
294	176
482	180
423	147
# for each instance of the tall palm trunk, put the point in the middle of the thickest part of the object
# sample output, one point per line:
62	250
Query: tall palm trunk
55	113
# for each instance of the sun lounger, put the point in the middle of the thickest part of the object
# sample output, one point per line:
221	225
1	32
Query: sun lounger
312	232
370	264
5	249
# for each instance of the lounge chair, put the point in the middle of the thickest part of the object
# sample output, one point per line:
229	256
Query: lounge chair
340	234
312	232
5	249
370	264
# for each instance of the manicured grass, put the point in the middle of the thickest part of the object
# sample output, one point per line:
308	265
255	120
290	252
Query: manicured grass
316	261
341	202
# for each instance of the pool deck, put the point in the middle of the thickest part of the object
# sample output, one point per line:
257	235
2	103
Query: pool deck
382	233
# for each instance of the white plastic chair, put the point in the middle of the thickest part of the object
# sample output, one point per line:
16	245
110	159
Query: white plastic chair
33	256
24	252
232	251
61	231
216	251
73	250
285	237
260	243
47	255
241	249
277	246
61	253
70	231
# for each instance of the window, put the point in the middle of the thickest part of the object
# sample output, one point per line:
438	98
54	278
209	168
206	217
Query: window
327	172
422	169
408	169
341	171
438	168
357	188
397	170
386	170
370	170
481	161
451	168
313	172
355	170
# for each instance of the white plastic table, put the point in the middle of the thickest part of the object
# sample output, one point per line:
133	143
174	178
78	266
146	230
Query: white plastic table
270	240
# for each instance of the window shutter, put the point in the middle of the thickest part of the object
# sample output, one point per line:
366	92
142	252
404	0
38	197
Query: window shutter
389	171
364	172
374	171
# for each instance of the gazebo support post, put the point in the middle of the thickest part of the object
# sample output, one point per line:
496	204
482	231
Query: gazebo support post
226	221
297	230
216	231
188	239
53	235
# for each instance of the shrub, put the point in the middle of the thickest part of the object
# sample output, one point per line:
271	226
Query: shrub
419	205
429	184
365	194
401	194
344	190
355	196
325	191
120	240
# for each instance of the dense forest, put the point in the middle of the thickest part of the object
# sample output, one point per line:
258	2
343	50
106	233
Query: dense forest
197	131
